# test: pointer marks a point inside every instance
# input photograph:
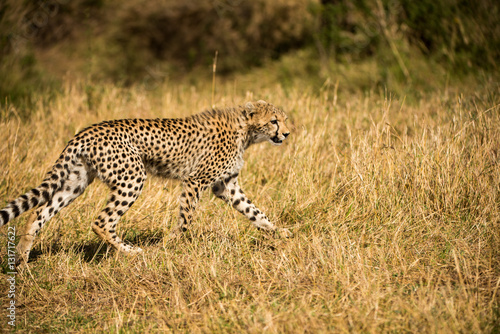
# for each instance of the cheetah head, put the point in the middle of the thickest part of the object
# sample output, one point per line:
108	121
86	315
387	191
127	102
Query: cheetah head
267	122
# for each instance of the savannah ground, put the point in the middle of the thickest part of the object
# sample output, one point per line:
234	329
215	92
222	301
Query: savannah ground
393	202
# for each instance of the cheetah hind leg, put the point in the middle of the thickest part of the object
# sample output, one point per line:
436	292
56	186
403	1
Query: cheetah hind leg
74	186
105	225
27	238
188	201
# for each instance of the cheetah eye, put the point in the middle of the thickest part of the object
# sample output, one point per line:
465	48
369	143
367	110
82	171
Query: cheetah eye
274	121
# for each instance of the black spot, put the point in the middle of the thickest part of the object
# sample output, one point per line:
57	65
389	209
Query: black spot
34	201
15	210
5	216
36	192
253	219
236	202
26	206
233	191
119	212
45	195
60	199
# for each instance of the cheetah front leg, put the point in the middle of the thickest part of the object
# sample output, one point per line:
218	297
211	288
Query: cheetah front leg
230	191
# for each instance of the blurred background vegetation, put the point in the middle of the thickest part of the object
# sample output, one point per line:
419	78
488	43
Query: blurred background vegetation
407	47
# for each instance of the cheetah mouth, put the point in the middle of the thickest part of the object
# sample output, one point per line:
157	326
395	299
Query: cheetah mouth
275	140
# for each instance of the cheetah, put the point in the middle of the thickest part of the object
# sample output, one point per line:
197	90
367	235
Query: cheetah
203	150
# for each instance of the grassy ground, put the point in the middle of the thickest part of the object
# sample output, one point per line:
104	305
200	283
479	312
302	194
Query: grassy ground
394	208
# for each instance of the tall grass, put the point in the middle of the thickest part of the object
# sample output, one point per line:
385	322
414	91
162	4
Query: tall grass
394	208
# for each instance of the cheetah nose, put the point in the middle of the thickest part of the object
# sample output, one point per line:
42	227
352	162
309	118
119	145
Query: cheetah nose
286	134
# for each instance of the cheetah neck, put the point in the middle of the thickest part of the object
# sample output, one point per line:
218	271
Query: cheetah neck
229	119
249	133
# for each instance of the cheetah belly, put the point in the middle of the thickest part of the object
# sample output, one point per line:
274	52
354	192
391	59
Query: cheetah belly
168	169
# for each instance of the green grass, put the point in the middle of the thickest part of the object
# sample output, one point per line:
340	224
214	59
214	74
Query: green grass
394	206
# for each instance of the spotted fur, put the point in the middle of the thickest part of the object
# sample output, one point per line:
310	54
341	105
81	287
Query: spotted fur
203	150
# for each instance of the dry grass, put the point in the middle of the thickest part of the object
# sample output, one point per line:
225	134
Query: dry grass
394	207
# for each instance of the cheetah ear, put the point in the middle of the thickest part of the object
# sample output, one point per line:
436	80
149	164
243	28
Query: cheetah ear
249	109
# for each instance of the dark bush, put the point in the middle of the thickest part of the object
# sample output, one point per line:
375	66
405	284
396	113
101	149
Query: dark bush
463	34
188	33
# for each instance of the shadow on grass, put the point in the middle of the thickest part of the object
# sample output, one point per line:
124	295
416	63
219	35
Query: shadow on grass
97	249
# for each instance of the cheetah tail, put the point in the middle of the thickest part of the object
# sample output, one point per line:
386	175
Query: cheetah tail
33	198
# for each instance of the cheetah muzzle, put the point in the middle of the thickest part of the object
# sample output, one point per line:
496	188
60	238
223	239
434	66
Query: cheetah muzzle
276	141
203	150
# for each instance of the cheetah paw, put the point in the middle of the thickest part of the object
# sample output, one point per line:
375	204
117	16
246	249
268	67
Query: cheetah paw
136	250
127	249
174	234
283	233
